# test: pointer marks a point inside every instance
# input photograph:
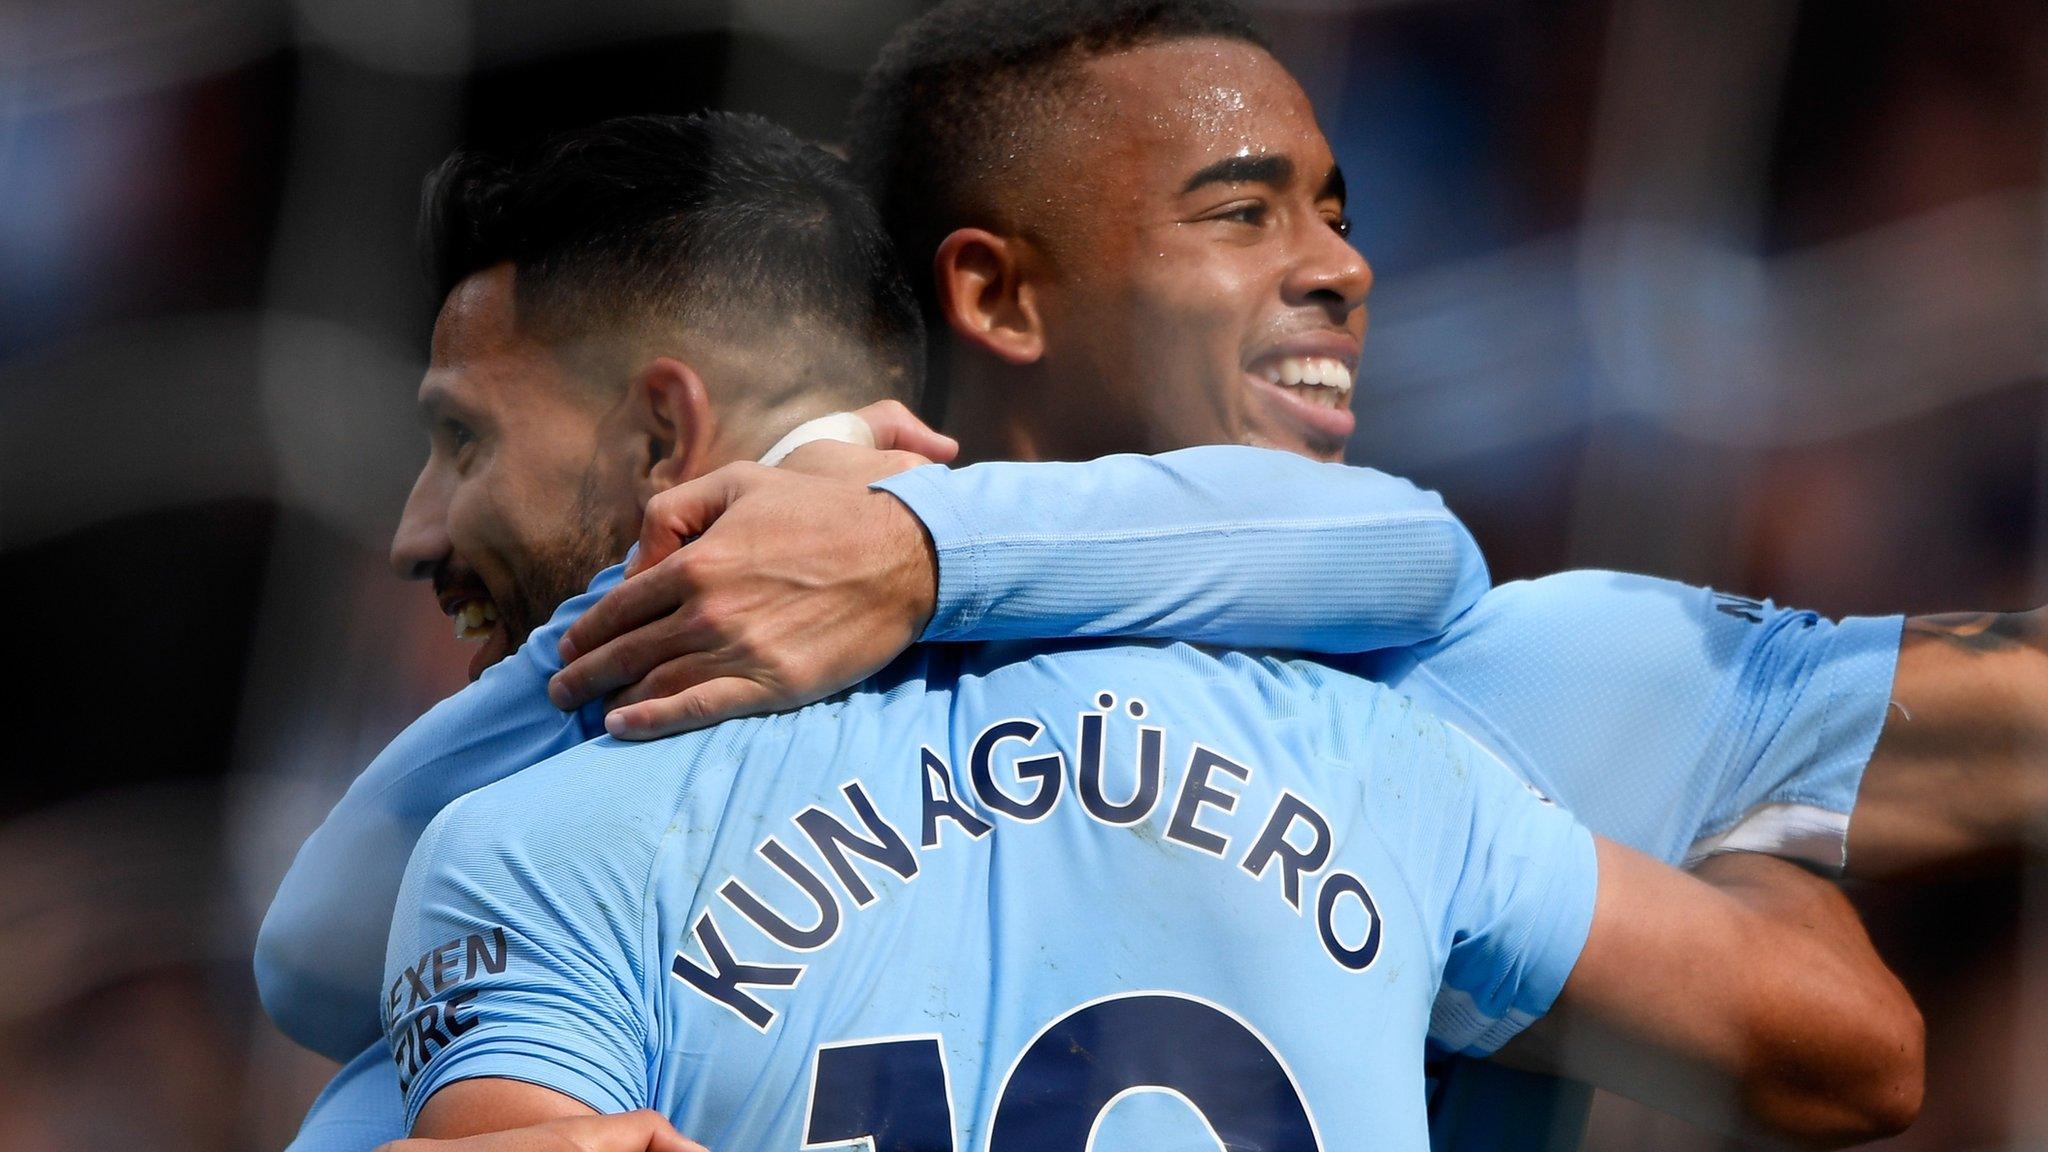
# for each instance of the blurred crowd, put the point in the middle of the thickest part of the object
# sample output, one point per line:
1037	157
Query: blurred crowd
1749	294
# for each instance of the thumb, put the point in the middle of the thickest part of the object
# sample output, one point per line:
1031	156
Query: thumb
682	513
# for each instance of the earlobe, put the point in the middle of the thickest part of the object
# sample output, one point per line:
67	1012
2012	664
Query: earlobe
987	297
672	413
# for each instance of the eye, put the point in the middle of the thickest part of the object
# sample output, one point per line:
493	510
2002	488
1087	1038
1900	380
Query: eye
1341	225
458	438
1252	212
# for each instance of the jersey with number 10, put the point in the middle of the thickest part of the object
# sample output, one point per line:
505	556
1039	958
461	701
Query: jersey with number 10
1000	898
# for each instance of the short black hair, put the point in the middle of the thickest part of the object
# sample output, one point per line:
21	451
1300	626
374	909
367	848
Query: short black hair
716	220
940	118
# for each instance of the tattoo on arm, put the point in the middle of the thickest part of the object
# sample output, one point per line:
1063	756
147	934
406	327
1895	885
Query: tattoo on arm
1981	633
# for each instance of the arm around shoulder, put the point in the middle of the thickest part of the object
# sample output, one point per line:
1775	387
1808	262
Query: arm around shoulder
1220	544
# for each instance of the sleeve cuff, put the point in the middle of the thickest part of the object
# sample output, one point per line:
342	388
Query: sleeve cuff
961	600
1460	1023
1803	833
537	1059
1805	818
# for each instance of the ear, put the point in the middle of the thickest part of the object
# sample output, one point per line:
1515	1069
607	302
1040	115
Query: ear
672	417
986	297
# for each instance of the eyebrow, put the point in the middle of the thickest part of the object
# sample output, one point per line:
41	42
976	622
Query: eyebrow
1333	186
1273	171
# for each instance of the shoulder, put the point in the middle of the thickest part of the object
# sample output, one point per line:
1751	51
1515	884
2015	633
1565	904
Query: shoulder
1596	619
1284	680
603	802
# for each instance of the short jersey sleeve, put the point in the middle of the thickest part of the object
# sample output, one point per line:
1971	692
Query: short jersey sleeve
1671	718
1507	878
519	942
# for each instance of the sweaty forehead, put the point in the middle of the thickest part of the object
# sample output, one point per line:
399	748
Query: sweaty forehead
1181	104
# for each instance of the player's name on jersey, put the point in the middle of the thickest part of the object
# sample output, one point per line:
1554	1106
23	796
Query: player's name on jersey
1017	775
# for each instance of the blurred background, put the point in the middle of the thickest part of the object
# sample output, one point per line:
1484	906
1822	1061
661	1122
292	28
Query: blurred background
1749	293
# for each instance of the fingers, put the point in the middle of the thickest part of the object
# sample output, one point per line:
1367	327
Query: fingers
677	675
642	1131
833	460
610	645
638	646
700	707
686	510
897	427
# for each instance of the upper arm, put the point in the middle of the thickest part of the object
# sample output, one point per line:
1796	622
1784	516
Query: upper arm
475	1107
1671	717
1960	773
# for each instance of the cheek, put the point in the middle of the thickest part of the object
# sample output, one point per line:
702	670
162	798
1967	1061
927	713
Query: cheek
488	514
1199	321
473	520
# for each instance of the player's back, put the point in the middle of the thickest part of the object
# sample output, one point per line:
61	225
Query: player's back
1158	895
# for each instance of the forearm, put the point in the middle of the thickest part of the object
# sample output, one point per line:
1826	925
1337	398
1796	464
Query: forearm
1220	545
318	953
1960	773
1746	999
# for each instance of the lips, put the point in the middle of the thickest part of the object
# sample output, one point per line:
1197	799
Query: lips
1322	380
475	617
1303	385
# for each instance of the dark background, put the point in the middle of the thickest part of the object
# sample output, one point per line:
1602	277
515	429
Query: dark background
1749	293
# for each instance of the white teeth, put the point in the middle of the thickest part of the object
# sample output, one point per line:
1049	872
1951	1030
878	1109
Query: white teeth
473	619
1310	371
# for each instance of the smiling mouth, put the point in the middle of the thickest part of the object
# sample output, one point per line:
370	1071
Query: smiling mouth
1320	380
474	617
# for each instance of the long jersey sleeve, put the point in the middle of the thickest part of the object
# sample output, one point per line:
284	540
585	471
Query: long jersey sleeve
1225	545
321	948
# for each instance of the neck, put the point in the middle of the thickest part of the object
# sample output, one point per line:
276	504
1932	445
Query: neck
985	408
762	429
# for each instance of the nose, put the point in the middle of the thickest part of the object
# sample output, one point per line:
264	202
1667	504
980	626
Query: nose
421	543
1329	274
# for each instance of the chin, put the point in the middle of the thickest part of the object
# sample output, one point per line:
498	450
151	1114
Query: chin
1326	450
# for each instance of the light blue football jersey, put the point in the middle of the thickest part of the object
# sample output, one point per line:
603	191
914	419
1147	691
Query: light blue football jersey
1679	721
360	1109
1000	899
1672	718
320	949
